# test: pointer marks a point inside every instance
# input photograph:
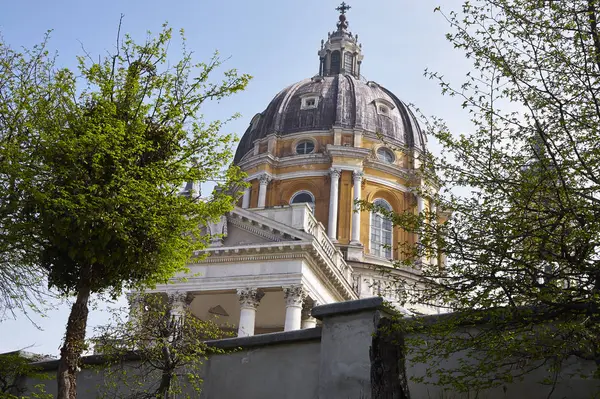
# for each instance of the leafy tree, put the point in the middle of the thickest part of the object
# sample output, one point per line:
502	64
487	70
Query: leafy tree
110	153
26	80
14	366
157	353
522	244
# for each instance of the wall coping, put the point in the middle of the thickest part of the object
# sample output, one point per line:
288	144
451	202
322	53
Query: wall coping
347	307
276	338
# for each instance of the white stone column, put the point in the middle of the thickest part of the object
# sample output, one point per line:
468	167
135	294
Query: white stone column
333	203
307	320
357	178
294	296
178	302
246	198
263	181
249	301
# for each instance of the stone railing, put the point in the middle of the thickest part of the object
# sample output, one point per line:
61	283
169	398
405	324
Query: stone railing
317	229
300	216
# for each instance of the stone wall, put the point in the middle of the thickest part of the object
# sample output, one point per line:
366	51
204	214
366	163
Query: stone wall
350	356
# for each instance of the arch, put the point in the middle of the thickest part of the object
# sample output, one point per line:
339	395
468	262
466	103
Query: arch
381	234
303	196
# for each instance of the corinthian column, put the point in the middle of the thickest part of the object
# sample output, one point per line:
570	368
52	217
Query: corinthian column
294	296
249	301
333	203
357	178
263	181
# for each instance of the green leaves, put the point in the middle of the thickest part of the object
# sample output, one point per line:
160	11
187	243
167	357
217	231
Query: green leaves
523	240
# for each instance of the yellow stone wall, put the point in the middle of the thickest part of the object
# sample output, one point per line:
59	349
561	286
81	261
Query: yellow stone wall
280	192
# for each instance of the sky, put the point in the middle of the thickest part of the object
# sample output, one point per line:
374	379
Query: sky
275	41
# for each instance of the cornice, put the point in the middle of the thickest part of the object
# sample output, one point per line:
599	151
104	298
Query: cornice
347	151
389	168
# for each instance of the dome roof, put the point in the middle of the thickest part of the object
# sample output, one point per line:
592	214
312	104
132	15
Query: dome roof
340	100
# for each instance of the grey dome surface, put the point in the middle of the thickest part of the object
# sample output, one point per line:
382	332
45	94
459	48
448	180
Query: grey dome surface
344	101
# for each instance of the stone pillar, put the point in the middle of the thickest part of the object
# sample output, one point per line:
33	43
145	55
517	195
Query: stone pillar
294	296
307	320
262	190
178	302
246	198
333	203
249	301
357	177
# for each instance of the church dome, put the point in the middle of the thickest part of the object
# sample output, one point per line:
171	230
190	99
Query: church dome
339	100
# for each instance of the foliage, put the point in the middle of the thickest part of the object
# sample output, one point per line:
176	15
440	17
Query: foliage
158	352
523	266
13	367
26	81
100	166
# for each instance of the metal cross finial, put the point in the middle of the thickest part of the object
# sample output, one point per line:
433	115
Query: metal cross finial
343	8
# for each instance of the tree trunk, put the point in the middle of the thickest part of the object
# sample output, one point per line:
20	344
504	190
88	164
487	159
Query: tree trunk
71	351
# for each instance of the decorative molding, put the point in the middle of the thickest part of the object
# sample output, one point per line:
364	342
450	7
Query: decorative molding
249	297
255	230
294	295
347	151
357	176
335	173
387	183
264	179
179	298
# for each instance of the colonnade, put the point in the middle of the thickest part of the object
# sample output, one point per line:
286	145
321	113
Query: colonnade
297	307
335	174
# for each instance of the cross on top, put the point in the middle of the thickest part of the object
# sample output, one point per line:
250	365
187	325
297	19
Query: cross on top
343	8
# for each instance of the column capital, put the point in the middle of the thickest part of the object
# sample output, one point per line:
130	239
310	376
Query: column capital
250	297
335	173
357	175
294	295
180	297
264	178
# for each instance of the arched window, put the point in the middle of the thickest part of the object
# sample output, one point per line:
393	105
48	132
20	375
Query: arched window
385	155
305	147
349	62
304	197
381	231
335	63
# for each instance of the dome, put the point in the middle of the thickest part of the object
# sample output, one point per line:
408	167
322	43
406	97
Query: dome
340	100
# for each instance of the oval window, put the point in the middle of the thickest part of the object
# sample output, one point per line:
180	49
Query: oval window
385	155
305	147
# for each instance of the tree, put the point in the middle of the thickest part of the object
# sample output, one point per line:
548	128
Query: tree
158	352
522	243
14	366
26	79
111	151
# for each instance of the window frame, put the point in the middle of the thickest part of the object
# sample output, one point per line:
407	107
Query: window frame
384	247
310	204
387	151
305	141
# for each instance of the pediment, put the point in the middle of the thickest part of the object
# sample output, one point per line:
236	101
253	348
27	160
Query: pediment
242	227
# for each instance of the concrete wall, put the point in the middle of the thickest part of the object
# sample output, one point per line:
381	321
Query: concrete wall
351	356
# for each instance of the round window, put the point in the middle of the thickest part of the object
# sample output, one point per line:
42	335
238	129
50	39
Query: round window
385	155
305	147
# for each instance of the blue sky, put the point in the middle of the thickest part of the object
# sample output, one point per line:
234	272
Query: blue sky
276	41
